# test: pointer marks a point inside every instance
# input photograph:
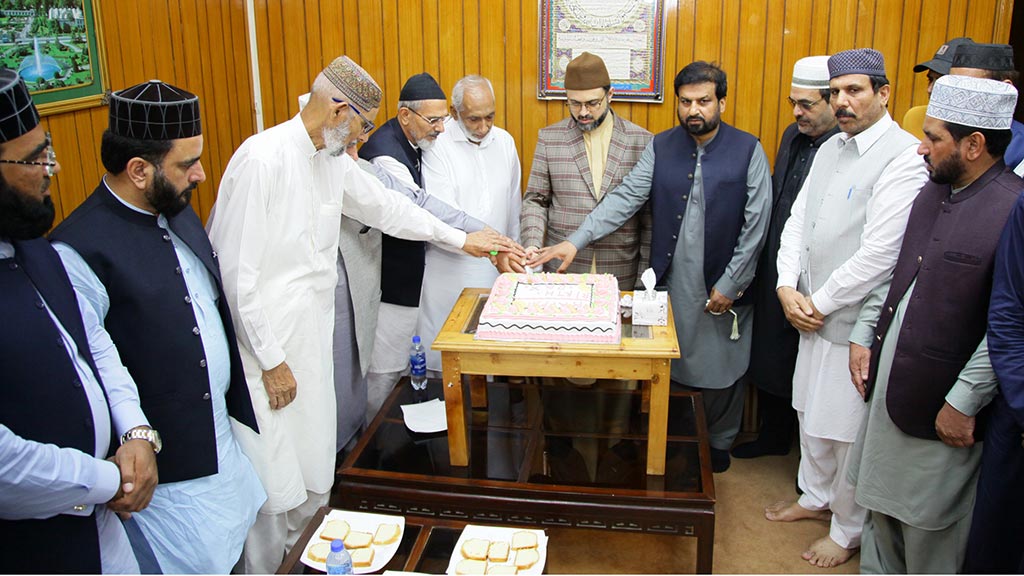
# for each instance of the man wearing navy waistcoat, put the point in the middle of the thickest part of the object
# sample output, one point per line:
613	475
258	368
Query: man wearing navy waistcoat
66	395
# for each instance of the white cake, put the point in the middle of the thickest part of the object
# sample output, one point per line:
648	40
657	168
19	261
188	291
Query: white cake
577	308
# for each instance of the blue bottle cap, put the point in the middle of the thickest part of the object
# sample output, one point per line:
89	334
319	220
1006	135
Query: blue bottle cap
337	546
415	339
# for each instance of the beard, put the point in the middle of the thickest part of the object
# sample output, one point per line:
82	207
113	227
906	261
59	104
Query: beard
702	127
948	171
22	218
165	198
425	143
469	133
336	139
593	125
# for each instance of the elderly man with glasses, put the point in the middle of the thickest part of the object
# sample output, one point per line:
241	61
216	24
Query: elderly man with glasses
773	349
276	226
397	148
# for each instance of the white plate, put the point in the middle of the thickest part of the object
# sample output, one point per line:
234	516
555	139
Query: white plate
361	522
493	533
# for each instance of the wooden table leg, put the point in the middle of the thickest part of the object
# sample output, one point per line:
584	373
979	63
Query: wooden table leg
706	546
645	396
455	412
657	421
478	391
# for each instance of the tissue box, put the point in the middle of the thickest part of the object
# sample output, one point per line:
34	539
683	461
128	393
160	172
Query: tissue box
647	312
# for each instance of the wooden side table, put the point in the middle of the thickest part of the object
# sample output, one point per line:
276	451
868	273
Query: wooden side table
644	353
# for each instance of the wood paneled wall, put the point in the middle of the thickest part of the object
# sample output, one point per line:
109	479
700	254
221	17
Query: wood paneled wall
203	46
199	45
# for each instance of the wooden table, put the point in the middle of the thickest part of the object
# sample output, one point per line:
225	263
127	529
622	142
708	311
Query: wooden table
525	470
644	353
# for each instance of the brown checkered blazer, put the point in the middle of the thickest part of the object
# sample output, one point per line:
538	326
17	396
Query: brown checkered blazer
560	194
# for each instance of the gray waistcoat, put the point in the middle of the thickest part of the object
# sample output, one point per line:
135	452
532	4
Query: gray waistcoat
839	187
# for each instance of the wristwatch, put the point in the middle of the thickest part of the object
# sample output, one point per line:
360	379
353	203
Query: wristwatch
147	434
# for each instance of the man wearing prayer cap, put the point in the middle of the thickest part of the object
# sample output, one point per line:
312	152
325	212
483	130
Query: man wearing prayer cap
994	61
937	67
66	395
775	341
357	296
839	244
397	148
275	226
928	381
710	196
578	160
137	253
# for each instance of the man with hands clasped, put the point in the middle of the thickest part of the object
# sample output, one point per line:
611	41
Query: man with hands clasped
67	398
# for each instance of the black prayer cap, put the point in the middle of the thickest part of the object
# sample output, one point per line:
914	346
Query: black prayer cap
154	110
18	115
421	87
996	57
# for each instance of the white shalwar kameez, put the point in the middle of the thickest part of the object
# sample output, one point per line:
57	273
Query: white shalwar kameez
828	406
275	226
482	180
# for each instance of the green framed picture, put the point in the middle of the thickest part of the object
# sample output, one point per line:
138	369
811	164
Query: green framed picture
55	46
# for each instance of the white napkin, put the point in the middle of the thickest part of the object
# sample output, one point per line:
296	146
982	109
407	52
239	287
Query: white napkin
425	417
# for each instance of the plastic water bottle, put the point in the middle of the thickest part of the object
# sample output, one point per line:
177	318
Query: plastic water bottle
417	365
339	561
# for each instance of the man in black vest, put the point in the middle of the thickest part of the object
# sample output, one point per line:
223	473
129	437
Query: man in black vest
138	254
773	350
397	147
918	352
66	395
710	198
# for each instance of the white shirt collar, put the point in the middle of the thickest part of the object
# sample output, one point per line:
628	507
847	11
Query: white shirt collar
6	249
866	139
125	202
458	135
297	131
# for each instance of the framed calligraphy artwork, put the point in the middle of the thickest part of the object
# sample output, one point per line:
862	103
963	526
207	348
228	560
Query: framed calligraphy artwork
54	45
629	35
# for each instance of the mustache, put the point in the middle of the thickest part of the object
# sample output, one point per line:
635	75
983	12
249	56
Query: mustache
844	113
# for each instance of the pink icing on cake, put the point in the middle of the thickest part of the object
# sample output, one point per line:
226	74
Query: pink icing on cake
576	308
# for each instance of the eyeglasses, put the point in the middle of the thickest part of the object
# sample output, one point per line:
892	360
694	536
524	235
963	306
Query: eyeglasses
435	121
806	105
591	105
50	163
368	126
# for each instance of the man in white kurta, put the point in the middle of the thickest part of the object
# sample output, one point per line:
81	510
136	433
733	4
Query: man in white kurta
276	226
840	242
473	166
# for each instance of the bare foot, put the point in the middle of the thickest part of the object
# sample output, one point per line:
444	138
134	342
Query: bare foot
825	553
792	511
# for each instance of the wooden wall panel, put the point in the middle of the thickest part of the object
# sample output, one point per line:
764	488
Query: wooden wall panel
198	45
755	41
203	46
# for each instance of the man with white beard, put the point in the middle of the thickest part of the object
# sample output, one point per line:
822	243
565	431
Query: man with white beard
397	147
276	225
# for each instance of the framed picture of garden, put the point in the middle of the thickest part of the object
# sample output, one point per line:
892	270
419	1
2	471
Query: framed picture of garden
55	46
